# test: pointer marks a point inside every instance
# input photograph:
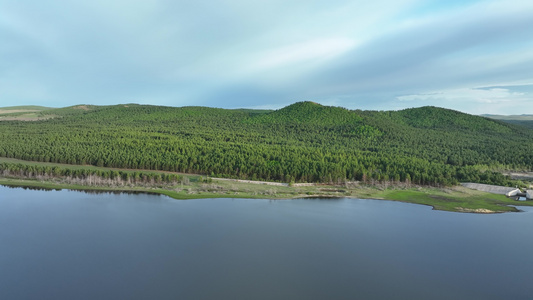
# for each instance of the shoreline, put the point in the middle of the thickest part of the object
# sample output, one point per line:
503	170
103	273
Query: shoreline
453	199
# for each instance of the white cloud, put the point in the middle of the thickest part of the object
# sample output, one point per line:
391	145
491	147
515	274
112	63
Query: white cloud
494	100
491	95
309	51
358	54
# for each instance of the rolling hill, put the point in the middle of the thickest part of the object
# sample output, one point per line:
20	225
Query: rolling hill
305	142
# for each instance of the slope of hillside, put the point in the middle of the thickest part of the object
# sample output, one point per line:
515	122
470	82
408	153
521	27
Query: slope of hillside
430	117
527	124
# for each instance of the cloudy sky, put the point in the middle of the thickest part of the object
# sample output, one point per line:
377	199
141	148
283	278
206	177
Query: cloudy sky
472	56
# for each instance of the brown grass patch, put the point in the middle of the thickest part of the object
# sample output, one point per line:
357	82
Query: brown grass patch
14	111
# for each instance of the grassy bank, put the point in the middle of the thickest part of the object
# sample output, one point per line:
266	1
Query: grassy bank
456	199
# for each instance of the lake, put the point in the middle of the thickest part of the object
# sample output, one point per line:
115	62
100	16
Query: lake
74	245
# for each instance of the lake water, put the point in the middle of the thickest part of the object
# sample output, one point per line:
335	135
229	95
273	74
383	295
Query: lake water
74	245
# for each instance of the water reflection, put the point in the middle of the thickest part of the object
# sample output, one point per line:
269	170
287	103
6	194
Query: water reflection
323	198
31	188
87	191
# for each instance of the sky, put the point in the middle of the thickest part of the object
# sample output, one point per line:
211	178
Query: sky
471	56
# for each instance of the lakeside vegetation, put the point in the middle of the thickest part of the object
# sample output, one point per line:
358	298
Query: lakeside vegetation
454	199
16	173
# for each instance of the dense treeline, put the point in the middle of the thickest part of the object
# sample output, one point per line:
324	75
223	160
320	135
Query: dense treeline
303	142
89	176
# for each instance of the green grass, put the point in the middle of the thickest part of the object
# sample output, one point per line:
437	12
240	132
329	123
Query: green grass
456	199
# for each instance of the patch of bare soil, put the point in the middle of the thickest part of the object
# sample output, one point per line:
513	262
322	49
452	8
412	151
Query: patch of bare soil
82	107
476	210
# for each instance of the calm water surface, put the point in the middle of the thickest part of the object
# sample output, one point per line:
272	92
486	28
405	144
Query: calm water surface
73	245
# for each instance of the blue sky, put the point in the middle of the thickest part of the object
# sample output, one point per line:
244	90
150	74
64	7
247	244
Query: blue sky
472	56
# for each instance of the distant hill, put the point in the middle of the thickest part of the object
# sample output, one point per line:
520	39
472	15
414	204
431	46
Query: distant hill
525	117
521	120
304	141
23	113
430	117
26	107
36	113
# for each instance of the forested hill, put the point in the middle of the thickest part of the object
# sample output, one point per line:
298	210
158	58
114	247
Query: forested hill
308	113
301	142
